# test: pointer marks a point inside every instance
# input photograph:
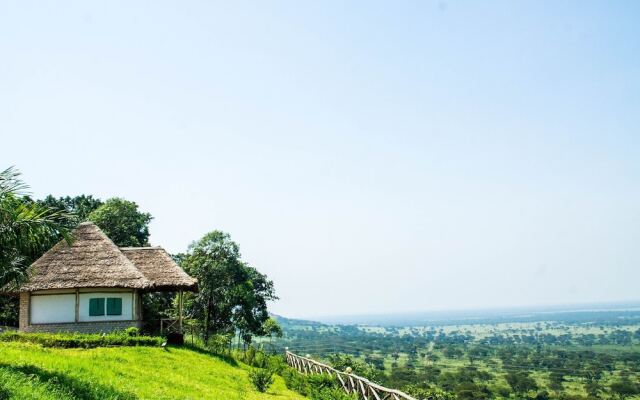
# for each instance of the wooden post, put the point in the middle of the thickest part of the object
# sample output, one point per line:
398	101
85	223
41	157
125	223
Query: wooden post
77	305
180	310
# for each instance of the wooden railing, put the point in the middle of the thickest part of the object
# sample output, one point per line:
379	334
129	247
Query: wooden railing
351	383
170	326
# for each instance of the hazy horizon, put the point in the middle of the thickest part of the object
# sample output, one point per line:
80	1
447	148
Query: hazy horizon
496	311
367	156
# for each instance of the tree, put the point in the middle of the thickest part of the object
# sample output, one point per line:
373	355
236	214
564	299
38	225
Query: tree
543	395
343	361
428	393
27	230
625	388
232	295
272	328
521	382
121	221
555	381
79	206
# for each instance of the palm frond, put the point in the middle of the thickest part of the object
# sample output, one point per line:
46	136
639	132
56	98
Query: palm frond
10	182
27	228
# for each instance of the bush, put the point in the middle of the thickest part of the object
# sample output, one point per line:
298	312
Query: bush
4	393
295	381
316	387
332	394
261	379
324	387
321	381
80	340
276	363
249	355
259	359
219	344
360	368
132	331
429	393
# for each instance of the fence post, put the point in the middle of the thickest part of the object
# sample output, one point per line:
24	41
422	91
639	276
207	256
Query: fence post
365	389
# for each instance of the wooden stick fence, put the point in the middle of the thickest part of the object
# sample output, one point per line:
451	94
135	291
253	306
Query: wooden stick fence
351	383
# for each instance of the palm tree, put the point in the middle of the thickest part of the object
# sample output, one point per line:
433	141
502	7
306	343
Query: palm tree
27	229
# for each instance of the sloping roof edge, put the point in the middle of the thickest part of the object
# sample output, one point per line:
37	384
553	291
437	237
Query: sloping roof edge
93	260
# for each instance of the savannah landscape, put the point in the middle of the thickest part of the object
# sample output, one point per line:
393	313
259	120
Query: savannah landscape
553	355
324	200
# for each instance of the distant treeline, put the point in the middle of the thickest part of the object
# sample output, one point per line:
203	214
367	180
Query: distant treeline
592	355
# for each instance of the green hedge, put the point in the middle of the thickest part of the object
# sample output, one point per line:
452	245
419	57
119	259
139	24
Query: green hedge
81	340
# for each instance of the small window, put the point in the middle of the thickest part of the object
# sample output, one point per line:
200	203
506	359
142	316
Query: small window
96	307
114	306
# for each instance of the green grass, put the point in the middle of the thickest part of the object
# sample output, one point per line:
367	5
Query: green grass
29	371
80	340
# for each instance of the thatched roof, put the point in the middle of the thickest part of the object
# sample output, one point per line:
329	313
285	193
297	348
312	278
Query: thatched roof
93	260
158	266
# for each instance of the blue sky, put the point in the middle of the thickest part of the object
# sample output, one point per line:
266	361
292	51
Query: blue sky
370	157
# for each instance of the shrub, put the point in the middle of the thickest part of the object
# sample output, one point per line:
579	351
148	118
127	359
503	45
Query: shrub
80	340
249	355
295	381
429	393
319	382
259	359
360	368
219	344
261	379
132	331
324	387
317	387
332	394
276	363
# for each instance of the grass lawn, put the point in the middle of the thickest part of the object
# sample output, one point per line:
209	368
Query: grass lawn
28	371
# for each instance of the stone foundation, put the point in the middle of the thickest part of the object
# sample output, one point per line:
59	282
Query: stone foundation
23	320
82	327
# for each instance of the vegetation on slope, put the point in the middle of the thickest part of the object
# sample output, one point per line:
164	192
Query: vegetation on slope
572	359
129	337
29	371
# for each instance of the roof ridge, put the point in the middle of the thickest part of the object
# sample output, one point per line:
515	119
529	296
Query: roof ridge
131	264
141	248
82	262
160	268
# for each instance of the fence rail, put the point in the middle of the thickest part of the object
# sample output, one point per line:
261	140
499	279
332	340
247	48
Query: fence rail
351	383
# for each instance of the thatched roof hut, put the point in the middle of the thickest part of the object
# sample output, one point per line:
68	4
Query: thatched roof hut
93	260
159	268
92	285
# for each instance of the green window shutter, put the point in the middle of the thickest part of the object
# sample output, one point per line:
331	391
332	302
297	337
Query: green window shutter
114	306
96	307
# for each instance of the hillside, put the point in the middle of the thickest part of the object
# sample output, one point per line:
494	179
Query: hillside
29	371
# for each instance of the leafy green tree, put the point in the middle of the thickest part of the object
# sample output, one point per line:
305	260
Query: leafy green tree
272	328
472	391
521	382
343	361
79	206
556	378
625	388
428	393
543	395
592	388
231	294
122	222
